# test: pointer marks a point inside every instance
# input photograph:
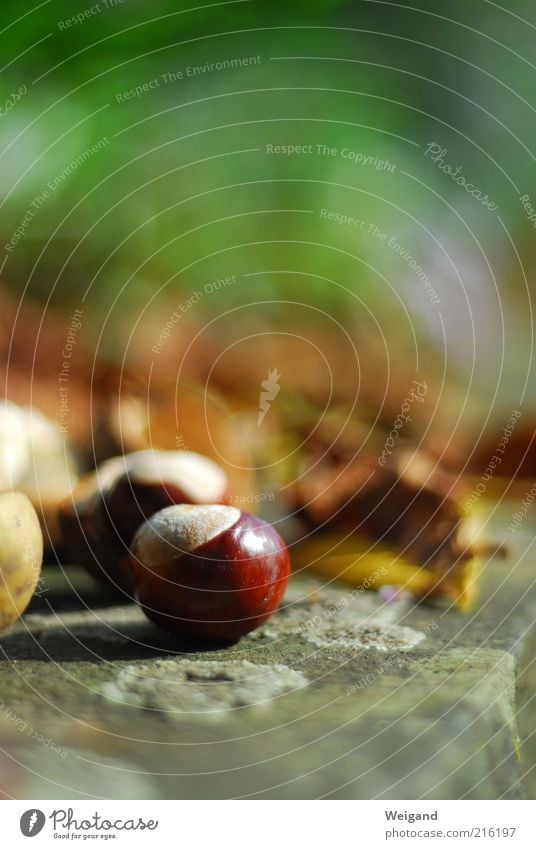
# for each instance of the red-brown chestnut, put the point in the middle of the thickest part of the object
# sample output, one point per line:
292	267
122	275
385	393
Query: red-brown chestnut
208	572
101	517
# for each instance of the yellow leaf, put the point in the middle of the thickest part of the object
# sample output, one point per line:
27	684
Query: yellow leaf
358	561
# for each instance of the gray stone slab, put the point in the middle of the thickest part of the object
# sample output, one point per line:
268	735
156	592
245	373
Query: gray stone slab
339	695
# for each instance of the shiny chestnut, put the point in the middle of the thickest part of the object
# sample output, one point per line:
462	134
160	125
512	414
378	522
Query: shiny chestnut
209	572
101	517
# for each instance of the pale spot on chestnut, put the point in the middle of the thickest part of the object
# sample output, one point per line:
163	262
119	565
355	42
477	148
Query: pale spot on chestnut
202	480
181	529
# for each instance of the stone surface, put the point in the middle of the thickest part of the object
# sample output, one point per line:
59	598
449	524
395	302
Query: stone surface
340	695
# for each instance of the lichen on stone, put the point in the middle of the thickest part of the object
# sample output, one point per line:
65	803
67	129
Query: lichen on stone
335	618
201	688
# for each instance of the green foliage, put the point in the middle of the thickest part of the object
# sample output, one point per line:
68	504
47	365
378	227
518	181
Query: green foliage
182	189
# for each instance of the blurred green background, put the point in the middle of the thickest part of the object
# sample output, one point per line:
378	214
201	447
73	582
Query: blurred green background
182	188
